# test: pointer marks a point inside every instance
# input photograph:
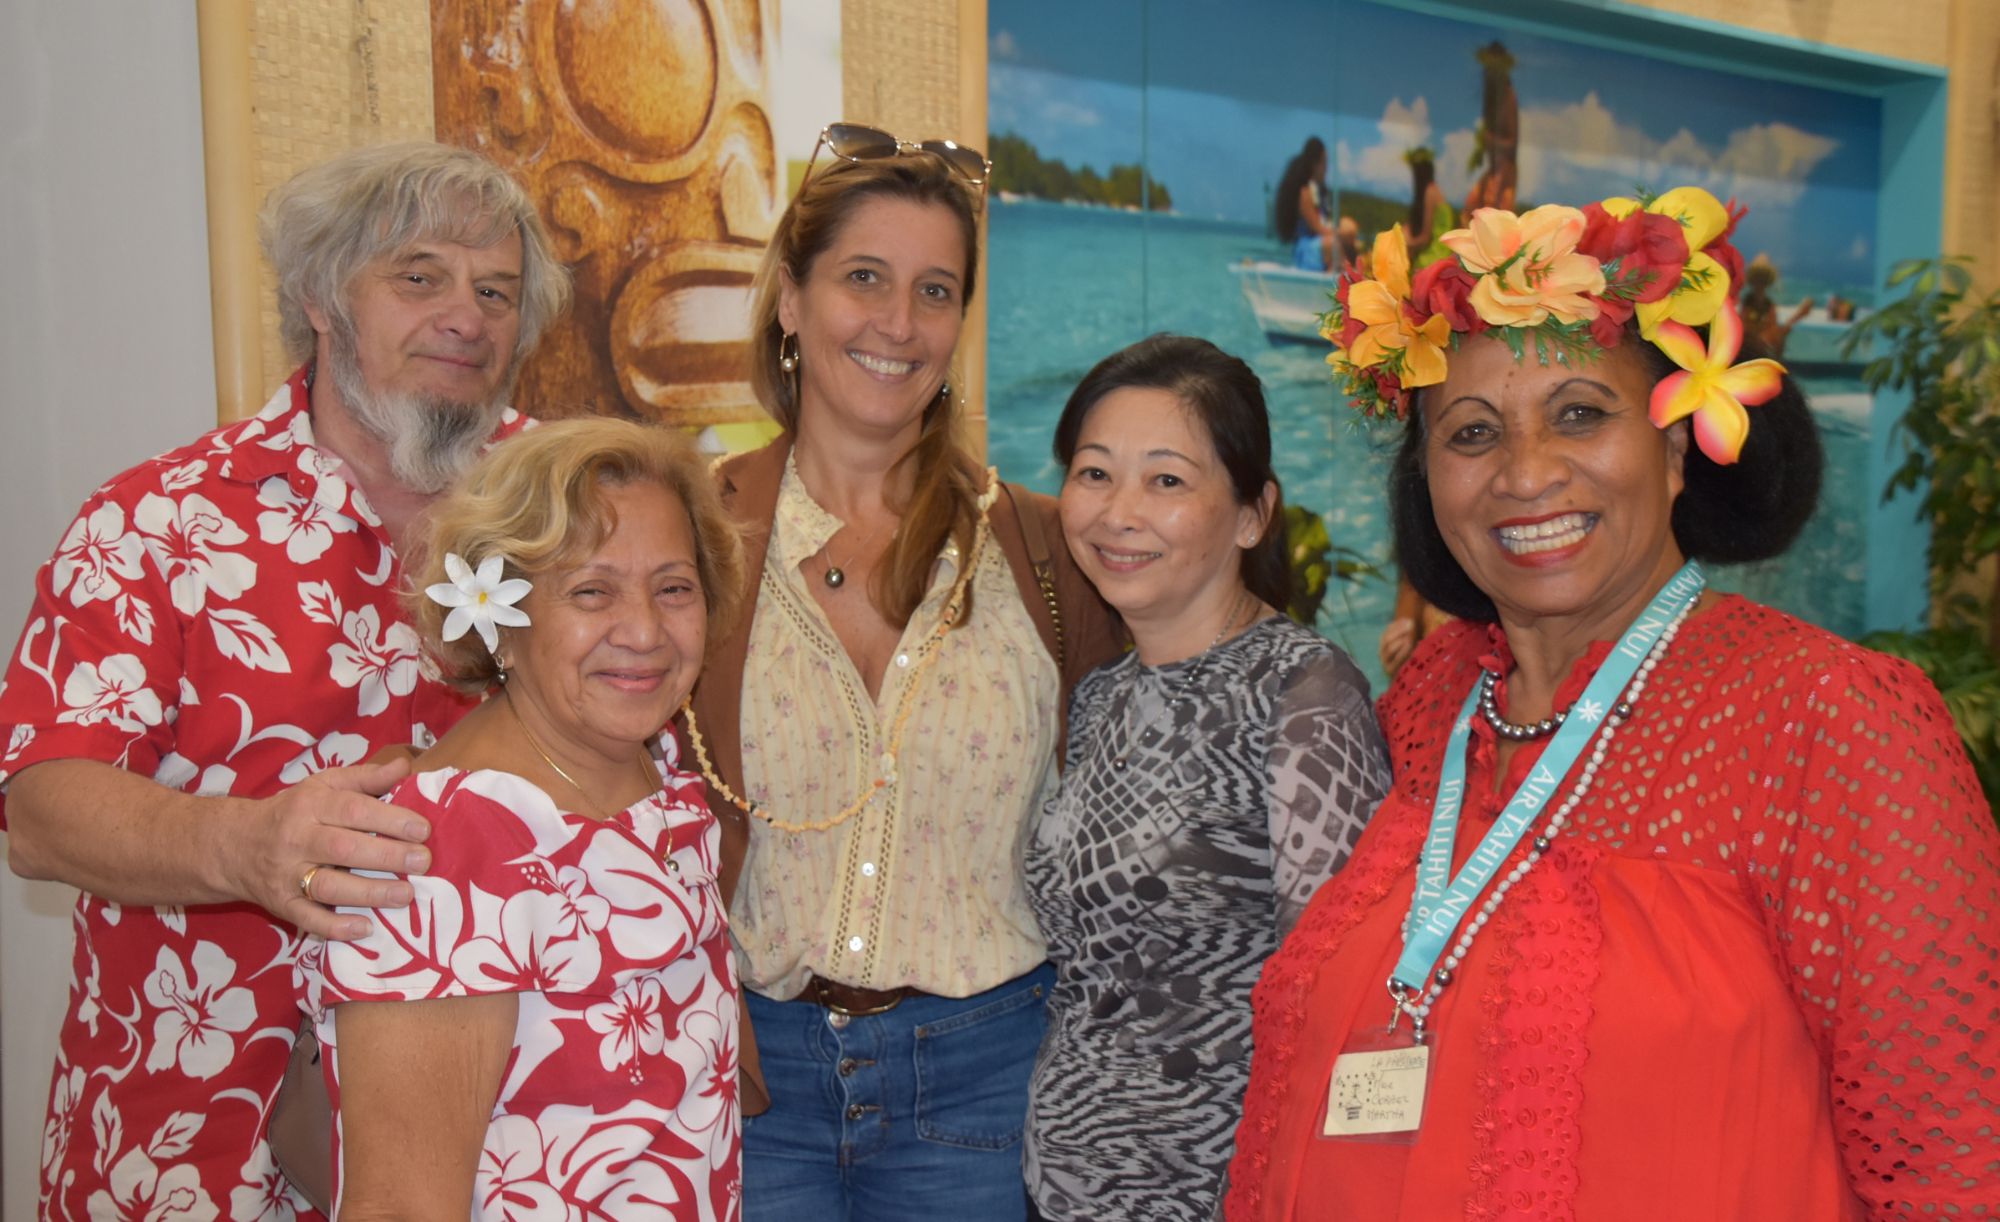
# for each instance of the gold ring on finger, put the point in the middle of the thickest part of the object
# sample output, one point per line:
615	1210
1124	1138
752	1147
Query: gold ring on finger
306	881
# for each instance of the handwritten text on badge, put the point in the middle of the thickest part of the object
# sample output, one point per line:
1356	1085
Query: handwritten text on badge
1377	1092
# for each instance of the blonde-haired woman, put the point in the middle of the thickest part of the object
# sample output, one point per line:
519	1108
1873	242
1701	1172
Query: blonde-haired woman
562	1038
888	717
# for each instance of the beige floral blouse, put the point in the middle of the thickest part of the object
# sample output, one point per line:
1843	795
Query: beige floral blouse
924	886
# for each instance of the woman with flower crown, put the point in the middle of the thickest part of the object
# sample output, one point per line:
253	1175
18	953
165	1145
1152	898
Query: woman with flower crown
1685	908
549	1030
882	725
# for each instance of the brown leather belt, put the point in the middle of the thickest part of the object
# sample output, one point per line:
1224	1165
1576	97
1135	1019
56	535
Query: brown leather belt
855	1002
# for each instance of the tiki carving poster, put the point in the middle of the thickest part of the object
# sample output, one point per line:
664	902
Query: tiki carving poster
649	133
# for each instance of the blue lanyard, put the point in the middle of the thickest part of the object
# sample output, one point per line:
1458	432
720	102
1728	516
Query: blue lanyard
1439	905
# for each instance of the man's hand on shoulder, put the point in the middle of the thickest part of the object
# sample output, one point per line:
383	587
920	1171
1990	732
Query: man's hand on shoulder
132	841
320	831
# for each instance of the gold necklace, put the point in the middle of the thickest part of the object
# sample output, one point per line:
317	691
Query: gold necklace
927	654
645	762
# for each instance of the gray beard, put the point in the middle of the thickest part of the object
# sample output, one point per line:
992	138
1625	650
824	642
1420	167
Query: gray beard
432	441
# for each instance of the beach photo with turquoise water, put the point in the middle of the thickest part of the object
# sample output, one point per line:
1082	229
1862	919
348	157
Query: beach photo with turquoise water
1126	201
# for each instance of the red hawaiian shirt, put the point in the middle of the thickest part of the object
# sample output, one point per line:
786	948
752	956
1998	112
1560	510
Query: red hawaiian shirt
223	619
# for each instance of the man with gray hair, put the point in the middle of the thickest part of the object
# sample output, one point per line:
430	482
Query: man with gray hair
217	647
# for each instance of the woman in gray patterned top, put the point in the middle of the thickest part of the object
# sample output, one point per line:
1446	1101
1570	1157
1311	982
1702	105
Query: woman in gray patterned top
1216	776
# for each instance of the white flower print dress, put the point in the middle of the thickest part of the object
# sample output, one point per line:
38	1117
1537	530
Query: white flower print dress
619	1099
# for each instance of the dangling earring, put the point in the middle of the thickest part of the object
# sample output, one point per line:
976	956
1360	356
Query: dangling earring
944	390
788	362
500	664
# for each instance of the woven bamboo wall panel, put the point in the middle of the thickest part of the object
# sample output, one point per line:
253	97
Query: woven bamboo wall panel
1972	138
325	76
1916	30
642	130
918	68
900	67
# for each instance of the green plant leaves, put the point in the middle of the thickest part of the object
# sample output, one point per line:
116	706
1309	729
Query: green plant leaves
1316	560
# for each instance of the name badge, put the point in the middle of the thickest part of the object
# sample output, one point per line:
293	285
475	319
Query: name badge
1377	1093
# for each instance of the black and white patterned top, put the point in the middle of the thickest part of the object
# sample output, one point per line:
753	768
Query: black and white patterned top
1154	876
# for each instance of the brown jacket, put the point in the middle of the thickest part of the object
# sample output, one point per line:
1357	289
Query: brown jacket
1026	527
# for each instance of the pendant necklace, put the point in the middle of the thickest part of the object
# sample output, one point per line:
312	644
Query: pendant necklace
835	576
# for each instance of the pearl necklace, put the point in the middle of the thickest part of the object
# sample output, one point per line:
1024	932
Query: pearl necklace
1512	731
1419	1006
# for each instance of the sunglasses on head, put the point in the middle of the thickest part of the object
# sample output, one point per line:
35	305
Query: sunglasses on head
856	142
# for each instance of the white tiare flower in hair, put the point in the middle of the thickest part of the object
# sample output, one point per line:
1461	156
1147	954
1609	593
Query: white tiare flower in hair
479	600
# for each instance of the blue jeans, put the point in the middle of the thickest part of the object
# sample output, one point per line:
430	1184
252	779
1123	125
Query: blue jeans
914	1113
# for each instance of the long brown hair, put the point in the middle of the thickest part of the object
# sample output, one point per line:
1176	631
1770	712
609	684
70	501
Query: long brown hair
944	487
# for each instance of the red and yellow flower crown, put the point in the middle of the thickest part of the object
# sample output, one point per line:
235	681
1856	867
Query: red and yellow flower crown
1566	280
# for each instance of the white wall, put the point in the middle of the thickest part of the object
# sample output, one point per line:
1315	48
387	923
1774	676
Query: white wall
105	359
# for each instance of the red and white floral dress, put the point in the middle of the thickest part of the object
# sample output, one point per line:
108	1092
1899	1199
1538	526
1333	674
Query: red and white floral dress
223	619
619	1099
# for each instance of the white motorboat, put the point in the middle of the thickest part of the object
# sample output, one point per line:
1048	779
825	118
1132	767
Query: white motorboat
1286	300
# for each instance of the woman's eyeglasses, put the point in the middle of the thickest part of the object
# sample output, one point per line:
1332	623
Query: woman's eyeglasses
855	142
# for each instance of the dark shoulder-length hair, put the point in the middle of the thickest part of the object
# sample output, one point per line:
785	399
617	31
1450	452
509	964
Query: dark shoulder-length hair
945	484
1752	509
1222	393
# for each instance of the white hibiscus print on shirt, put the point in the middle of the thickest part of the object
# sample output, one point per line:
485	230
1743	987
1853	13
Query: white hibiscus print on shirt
188	539
197	1021
530	945
305	526
544	1171
176	771
95	555
63	1103
265	1195
630	1022
589	909
706	1055
113	690
142	1192
336	750
380	663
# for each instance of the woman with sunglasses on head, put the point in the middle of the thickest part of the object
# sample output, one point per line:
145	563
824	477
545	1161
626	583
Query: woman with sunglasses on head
1216	776
1679	907
879	730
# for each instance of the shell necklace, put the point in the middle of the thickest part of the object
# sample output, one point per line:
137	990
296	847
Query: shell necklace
927	656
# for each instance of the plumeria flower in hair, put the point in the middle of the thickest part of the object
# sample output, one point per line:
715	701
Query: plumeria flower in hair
1713	268
479	600
1709	387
